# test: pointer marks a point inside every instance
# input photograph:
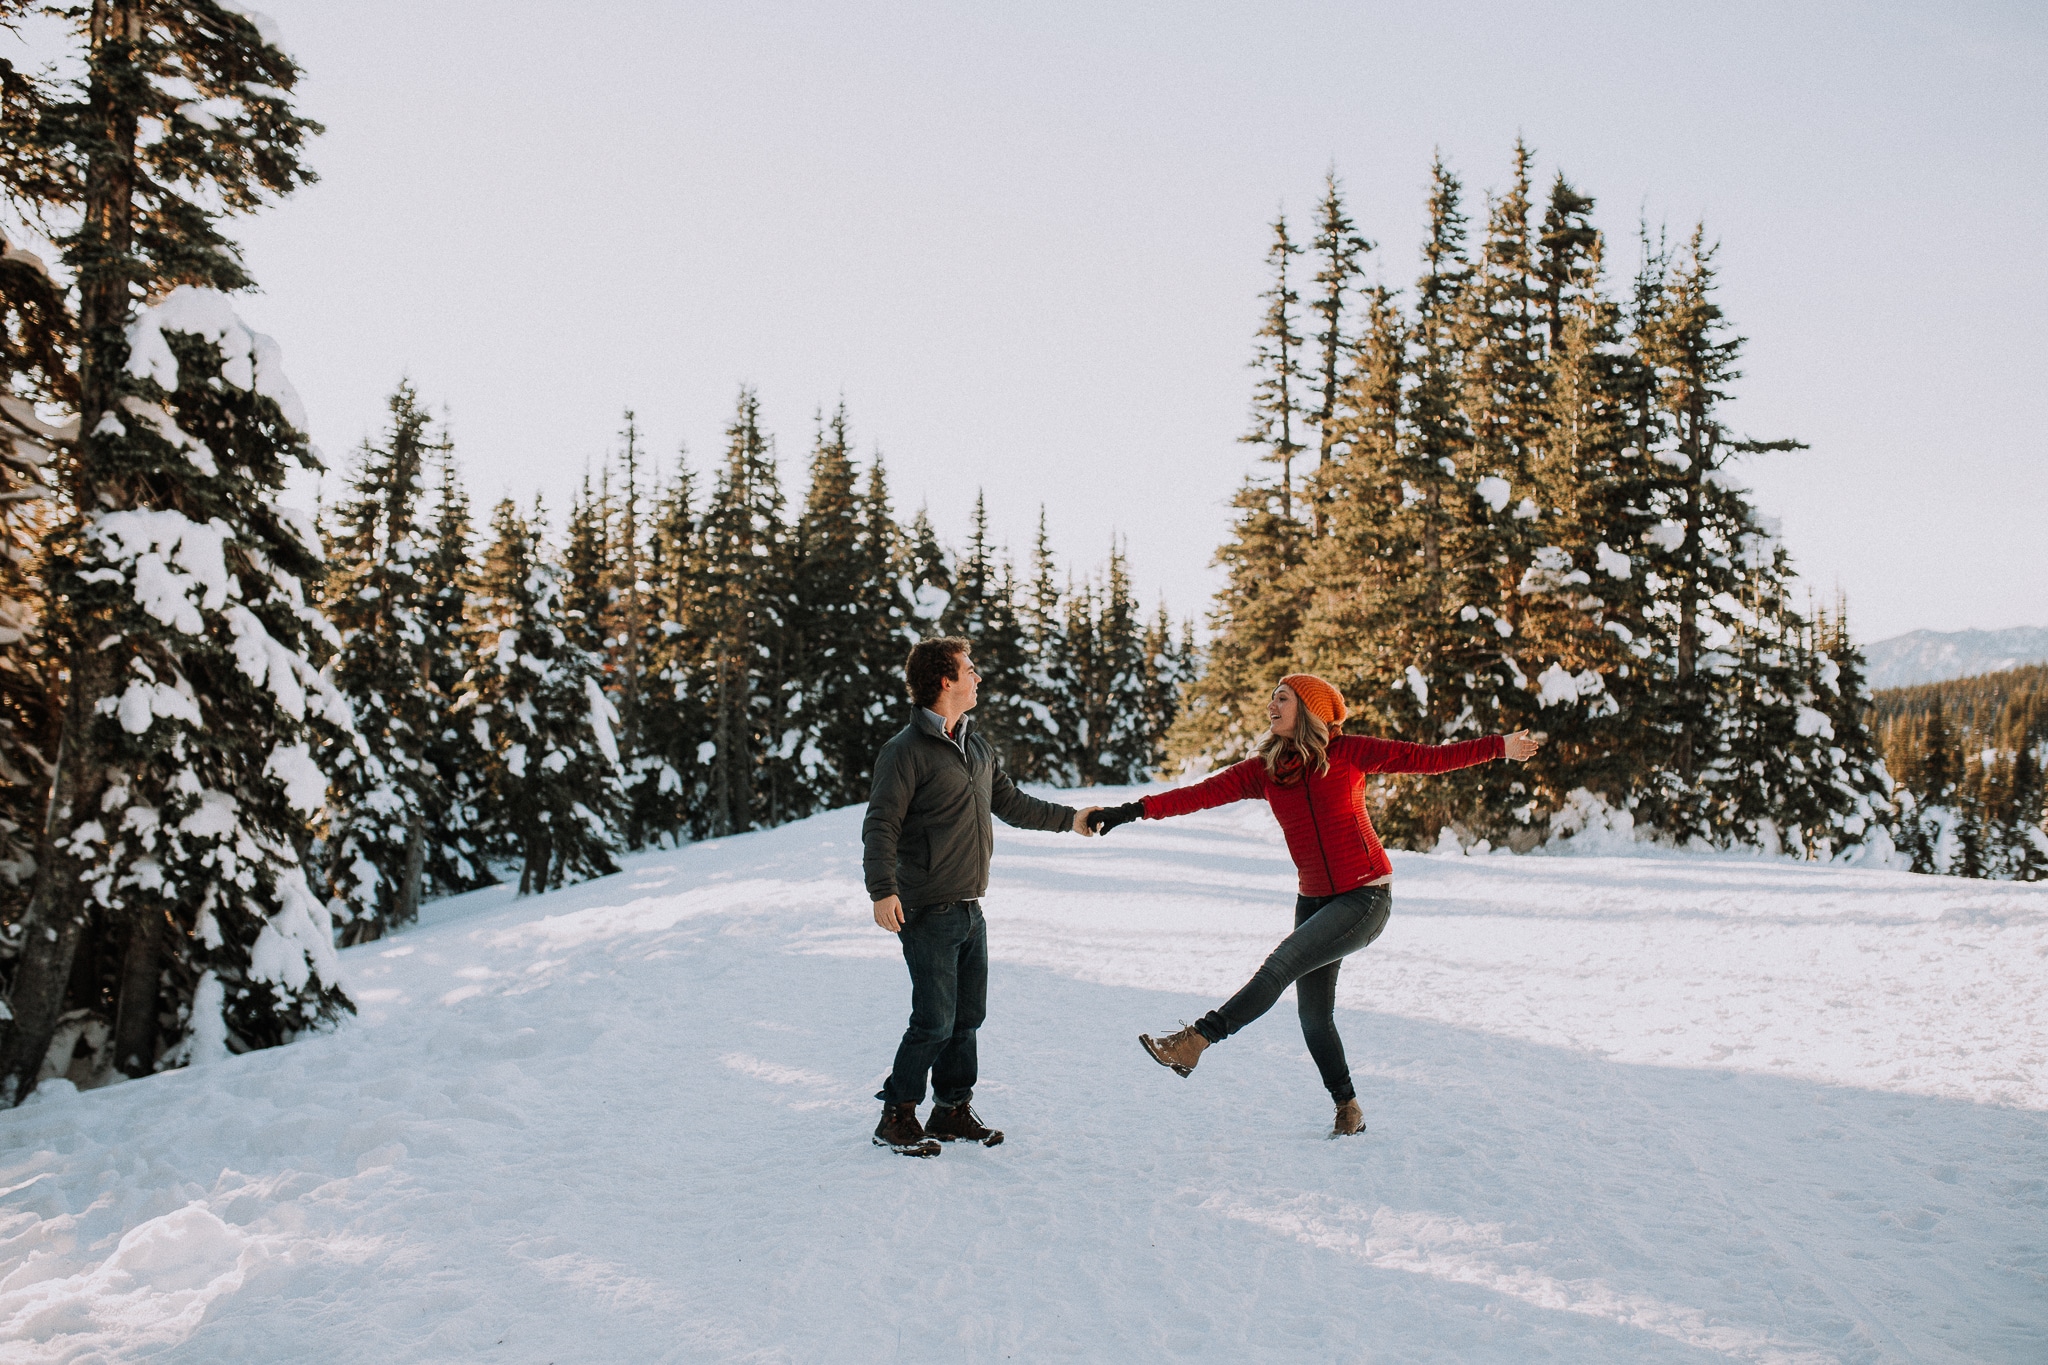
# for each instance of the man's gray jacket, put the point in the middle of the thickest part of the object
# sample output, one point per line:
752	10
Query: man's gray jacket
927	836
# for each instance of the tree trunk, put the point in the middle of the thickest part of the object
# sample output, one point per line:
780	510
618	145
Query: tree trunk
135	1012
56	911
415	869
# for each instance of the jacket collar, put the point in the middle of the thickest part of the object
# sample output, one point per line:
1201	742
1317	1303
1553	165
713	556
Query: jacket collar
929	722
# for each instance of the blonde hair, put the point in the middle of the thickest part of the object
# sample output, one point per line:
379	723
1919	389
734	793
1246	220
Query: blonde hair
1287	757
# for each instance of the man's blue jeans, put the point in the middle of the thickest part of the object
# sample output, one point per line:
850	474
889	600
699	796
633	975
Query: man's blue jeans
946	949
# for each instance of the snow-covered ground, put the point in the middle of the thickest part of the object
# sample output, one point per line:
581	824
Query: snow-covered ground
1632	1109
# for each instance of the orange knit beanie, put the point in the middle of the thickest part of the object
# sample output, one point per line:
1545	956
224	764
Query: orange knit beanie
1324	702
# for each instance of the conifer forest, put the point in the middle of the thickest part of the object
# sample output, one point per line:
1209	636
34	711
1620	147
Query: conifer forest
1495	488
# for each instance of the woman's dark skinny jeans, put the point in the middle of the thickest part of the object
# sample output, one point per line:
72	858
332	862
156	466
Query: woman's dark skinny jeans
1326	930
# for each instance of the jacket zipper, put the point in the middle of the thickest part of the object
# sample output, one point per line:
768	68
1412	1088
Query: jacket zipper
1329	877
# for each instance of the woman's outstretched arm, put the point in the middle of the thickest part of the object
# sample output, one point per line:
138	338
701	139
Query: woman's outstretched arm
1238	782
1398	756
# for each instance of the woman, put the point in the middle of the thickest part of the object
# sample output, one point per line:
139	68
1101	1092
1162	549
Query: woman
1314	779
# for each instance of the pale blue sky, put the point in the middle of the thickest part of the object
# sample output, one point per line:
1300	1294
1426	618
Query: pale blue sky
1025	242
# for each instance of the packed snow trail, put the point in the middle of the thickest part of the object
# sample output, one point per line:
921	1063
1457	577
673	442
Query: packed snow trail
1669	1108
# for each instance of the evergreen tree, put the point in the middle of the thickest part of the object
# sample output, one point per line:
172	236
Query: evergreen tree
1259	612
669	778
1123	751
1038	742
1340	252
36	337
535	698
588	571
1719	733
1276	355
983	611
212	779
828	605
2026	842
631	615
378	598
178	115
1860	791
1171	662
461	844
927	575
1581	592
741	574
891	623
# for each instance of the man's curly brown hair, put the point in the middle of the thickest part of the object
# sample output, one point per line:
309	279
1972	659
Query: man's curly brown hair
931	662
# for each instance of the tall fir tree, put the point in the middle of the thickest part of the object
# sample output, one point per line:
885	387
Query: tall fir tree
1281	388
1123	751
1259	612
1039	740
669	777
829	670
461	843
379	596
535	698
36	341
1707	554
1340	253
983	611
742	567
178	115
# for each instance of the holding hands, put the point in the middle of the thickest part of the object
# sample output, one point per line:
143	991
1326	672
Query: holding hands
1103	819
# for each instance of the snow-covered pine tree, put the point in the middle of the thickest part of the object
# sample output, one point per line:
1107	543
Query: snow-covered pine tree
36	338
179	114
829	672
1927	793
211	779
742	574
1707	541
379	594
892	623
981	610
1579	613
1855	790
1042	743
1171	660
1418	647
666	785
459	846
587	573
2025	842
535	698
1123	749
1086	663
1493	374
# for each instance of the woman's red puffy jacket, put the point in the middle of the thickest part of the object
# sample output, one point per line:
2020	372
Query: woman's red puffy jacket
1328	831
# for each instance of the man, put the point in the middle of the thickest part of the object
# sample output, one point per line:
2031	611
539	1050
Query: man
927	840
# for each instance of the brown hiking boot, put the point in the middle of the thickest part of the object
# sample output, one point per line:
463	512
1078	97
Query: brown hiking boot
959	1123
1180	1050
1350	1119
900	1131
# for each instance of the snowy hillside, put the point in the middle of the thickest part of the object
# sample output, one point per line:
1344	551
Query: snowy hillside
1662	1108
1925	656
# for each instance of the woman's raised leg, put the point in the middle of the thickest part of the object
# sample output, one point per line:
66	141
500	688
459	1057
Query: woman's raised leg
1324	934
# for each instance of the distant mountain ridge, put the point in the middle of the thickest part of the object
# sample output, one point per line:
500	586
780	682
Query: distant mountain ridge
1926	656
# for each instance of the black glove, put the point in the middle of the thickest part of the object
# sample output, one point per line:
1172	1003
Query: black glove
1109	817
